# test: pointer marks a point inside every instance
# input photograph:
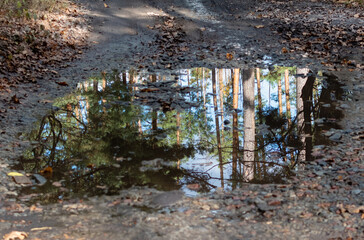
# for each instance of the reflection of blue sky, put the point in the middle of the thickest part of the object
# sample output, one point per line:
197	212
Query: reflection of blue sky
204	161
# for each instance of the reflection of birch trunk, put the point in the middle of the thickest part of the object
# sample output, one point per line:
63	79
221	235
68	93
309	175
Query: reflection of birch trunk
140	127
288	104
221	97
235	122
280	96
260	117
103	91
300	83
260	104
217	124
203	89
154	113
249	124
85	87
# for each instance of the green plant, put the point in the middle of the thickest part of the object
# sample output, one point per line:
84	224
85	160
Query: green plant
29	8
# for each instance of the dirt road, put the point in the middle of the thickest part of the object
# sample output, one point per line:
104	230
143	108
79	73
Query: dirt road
324	201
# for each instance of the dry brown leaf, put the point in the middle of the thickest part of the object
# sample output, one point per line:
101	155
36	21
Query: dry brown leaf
47	170
62	83
284	50
229	56
259	26
14	99
15	235
34	208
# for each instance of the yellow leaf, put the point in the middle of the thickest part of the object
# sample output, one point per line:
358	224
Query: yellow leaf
259	26
105	5
13	174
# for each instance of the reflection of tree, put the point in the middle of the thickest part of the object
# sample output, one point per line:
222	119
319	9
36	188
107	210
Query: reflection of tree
221	98
218	137
302	76
288	104
235	124
105	136
261	167
249	124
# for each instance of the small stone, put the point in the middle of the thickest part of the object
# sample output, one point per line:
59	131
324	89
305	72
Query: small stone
356	191
40	179
345	106
22	180
335	137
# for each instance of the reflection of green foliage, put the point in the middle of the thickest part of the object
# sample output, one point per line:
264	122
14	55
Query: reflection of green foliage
277	73
106	135
103	126
199	73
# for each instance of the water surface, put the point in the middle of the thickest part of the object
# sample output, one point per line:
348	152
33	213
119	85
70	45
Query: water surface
194	129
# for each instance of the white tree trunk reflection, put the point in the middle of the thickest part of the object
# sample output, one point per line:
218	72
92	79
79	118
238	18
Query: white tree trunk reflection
249	124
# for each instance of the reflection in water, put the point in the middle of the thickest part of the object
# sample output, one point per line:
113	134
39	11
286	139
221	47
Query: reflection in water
197	130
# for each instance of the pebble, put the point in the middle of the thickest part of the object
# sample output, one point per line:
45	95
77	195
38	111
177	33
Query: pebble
336	137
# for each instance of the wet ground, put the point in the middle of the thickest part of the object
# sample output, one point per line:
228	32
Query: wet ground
153	135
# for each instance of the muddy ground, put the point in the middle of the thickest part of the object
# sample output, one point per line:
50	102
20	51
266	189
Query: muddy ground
324	200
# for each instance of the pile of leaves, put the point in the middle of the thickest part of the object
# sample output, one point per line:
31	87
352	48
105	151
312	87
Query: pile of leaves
33	47
330	32
170	41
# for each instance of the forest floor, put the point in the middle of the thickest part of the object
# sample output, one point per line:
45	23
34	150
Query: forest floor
323	201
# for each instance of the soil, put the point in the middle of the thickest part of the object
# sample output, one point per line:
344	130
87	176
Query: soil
323	201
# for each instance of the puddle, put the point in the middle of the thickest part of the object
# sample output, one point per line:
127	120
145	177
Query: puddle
194	130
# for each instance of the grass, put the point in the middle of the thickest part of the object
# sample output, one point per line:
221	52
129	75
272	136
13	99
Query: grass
28	8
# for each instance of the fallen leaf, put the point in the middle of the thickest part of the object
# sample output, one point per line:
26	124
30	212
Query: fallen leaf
15	235
91	165
106	6
229	56
275	203
13	174
34	208
14	99
259	26
354	209
47	170
62	83
284	50
41	229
